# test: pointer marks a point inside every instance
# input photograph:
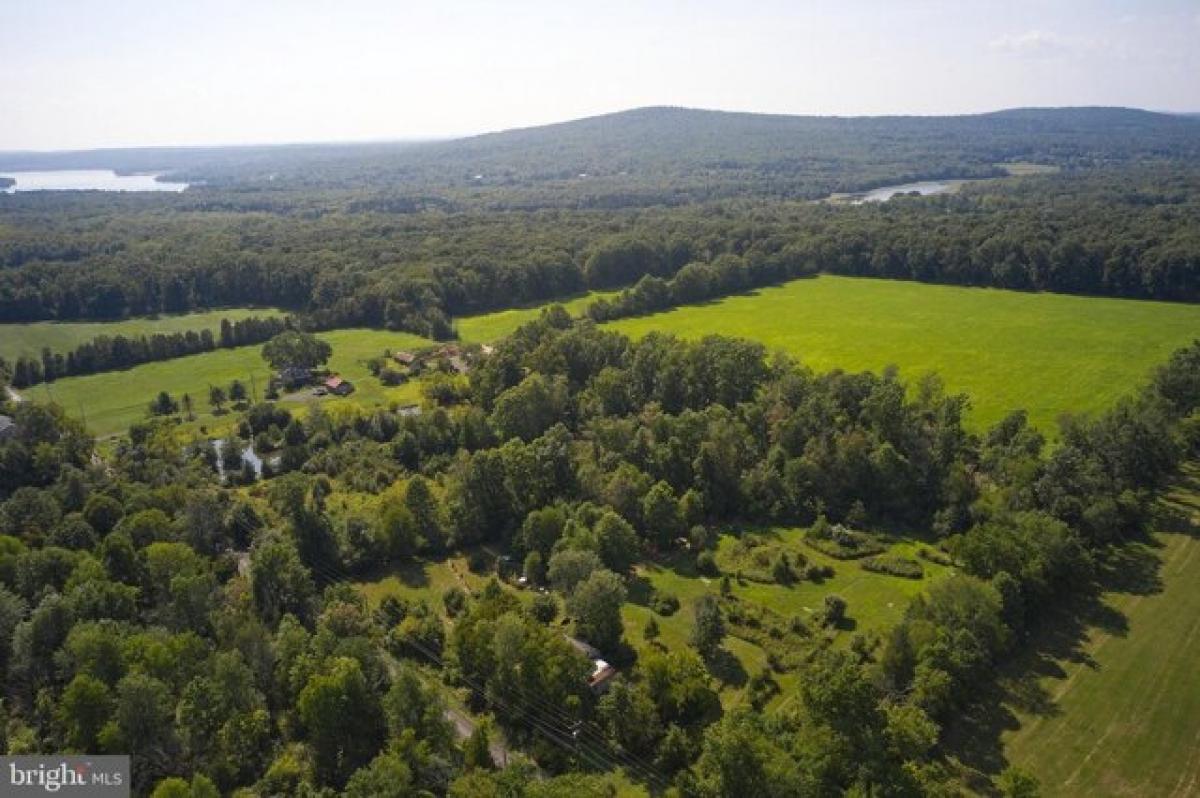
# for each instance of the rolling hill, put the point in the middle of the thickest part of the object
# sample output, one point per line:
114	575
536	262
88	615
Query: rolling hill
672	155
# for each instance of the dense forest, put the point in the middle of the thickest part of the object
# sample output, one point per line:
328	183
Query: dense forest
407	236
147	607
1119	232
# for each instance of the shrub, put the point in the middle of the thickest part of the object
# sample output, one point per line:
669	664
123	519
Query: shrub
544	608
894	565
935	556
479	562
818	573
706	563
834	611
843	543
665	604
455	601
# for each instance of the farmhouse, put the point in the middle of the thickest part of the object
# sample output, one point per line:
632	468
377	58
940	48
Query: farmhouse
405	358
337	385
602	672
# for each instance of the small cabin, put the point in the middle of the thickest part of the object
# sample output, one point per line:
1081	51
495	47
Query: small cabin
338	386
405	358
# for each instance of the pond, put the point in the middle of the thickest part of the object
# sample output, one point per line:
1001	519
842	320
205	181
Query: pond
248	456
86	180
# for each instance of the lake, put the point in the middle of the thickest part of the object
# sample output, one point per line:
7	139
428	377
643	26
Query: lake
86	180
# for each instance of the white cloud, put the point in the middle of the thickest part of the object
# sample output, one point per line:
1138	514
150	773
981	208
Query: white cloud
1033	43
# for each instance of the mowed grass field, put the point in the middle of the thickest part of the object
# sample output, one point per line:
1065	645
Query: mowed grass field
112	401
1047	353
28	339
1124	714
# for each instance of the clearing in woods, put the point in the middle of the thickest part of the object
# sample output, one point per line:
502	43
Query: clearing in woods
1047	353
112	401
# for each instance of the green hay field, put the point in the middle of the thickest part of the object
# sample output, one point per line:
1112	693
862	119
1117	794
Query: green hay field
1119	712
28	339
1047	353
112	401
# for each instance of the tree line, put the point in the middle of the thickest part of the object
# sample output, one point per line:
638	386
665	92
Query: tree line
1115	232
117	352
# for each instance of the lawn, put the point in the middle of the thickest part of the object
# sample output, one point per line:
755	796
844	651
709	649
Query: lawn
875	602
1119	714
1047	353
28	339
112	401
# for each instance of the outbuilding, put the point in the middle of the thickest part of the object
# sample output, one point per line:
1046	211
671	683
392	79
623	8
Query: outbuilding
337	385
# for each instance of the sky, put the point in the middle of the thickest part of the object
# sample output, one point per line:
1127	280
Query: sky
103	73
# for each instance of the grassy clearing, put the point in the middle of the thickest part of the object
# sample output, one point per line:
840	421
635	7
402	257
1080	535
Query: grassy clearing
1118	711
875	601
423	580
1047	353
28	339
112	401
489	327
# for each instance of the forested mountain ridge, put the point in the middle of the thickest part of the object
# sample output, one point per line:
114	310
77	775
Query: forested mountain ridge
669	155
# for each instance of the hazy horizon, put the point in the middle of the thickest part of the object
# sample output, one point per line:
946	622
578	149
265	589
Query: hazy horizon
131	73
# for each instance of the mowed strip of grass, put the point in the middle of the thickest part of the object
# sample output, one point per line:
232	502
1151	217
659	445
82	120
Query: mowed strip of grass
112	401
1125	712
28	339
1047	353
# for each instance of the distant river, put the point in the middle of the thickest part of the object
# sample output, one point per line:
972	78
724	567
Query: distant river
86	180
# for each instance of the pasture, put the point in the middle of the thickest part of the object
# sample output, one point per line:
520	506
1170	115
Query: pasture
1047	353
1118	711
112	401
28	339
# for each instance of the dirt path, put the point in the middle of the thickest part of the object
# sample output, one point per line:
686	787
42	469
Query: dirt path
464	727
